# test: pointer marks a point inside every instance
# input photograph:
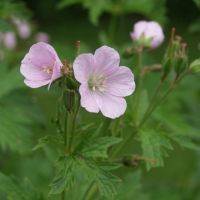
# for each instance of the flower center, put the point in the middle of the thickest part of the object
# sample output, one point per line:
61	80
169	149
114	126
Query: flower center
48	69
96	82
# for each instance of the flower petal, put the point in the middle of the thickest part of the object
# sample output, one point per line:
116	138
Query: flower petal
42	54
111	106
107	60
32	72
121	83
83	66
35	84
88	99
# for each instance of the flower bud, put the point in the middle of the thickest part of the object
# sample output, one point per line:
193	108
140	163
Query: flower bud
9	40
42	37
23	28
181	65
147	34
195	66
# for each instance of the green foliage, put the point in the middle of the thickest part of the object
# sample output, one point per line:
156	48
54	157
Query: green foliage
42	142
10	8
131	188
85	160
13	189
197	2
95	147
154	146
14	131
5	79
97	7
68	168
64	179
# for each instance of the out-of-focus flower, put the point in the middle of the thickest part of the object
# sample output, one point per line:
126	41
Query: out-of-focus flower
148	34
9	40
104	83
42	37
23	28
41	65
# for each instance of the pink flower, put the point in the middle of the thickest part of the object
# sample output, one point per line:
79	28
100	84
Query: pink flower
42	37
104	83
148	33
41	65
23	28
9	40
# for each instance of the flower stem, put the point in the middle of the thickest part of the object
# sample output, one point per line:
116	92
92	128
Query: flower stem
140	82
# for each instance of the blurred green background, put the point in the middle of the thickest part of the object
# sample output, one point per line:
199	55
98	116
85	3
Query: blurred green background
26	114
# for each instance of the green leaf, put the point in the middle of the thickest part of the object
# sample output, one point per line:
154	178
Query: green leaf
6	83
101	176
96	8
47	139
14	131
69	167
131	188
64	178
95	147
14	189
197	2
195	66
154	146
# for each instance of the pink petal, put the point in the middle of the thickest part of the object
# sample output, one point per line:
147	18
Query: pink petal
121	83
107	60
88	99
138	29
42	54
83	66
33	73
111	106
36	84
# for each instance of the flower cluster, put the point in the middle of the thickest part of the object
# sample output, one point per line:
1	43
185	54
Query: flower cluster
103	82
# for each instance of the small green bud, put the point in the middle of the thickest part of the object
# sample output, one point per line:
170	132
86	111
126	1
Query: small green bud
167	65
195	66
181	65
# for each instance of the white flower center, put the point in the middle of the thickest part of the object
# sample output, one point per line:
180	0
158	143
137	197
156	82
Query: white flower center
96	82
48	69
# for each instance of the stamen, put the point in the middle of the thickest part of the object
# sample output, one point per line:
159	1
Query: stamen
97	82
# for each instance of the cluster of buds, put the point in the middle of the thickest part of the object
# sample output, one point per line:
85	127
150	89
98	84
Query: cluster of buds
175	56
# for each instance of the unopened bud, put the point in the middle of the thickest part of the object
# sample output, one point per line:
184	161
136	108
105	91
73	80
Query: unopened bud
195	66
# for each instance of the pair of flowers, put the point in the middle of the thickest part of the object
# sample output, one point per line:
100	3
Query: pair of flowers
103	82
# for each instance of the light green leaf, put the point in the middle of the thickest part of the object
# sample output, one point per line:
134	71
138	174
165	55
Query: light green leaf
154	146
102	177
65	175
95	147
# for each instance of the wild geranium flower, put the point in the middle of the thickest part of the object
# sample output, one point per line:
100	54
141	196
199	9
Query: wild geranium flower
9	40
23	28
104	83
42	37
148	34
41	65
